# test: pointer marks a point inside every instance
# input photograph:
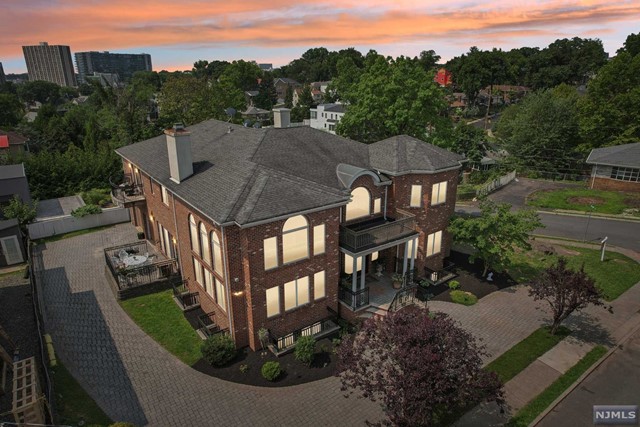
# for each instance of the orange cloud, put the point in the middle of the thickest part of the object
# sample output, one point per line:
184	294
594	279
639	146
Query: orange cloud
120	24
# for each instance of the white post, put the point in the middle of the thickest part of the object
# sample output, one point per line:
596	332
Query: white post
364	259
404	262
354	276
604	246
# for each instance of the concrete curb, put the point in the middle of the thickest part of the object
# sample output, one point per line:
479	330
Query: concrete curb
584	376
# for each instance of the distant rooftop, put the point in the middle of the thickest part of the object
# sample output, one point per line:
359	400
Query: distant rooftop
619	155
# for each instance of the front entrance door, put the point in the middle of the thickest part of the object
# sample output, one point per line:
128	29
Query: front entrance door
11	250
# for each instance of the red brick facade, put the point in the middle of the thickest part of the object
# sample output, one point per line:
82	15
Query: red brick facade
601	183
244	277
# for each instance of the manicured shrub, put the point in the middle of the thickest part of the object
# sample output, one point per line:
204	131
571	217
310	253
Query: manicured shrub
305	349
244	368
97	196
271	370
86	210
462	297
218	350
454	284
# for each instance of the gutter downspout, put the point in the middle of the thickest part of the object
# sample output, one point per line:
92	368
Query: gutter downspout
384	210
227	284
175	224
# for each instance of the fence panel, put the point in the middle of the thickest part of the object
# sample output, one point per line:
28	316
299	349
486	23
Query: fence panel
67	223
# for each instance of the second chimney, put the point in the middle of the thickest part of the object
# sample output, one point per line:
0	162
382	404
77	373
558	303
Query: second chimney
281	117
179	153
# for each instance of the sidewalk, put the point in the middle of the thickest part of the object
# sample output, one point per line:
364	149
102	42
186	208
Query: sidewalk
609	330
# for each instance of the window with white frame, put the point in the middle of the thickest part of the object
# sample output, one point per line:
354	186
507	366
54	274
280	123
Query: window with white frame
193	234
439	193
416	196
270	248
434	243
206	252
273	301
208	282
295	239
348	264
318	239
360	204
377	205
296	293
217	253
164	195
625	174
197	267
221	296
319	285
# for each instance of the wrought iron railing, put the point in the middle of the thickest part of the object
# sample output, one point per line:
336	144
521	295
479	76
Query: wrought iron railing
395	228
410	295
127	191
434	278
288	341
207	324
133	276
355	300
186	299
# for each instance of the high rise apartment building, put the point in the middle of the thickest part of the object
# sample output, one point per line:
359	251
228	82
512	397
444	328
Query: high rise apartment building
122	64
50	63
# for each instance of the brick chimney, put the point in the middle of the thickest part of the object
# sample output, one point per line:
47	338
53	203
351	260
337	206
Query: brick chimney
281	117
179	152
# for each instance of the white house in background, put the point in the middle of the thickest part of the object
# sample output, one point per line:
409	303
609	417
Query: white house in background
327	116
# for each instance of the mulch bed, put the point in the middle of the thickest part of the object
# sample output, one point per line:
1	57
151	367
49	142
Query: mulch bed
323	366
471	280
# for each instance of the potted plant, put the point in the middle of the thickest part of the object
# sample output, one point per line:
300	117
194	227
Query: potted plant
397	280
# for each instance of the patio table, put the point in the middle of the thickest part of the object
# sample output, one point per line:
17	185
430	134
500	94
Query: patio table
134	260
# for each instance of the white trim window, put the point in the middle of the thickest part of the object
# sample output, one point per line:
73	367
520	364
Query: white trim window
164	195
625	174
318	239
296	293
197	267
416	196
217	253
206	252
439	193
319	280
434	243
377	205
295	239
360	204
193	234
273	301
221	296
208	282
270	251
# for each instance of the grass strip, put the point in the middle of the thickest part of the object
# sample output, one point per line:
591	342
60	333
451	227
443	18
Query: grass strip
521	355
534	408
73	404
159	316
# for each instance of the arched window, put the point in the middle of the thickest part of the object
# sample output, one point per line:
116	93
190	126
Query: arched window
193	232
206	252
217	253
360	204
295	239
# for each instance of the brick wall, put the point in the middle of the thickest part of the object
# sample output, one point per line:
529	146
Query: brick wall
609	184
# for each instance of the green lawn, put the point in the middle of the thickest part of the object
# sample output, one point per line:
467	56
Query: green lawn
581	199
73	404
462	297
534	408
521	355
614	275
160	318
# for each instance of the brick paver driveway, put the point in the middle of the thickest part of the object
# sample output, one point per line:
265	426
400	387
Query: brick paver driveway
134	379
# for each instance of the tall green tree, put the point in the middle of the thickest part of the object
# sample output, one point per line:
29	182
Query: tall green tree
40	91
542	131
394	97
496	233
185	99
241	74
11	110
24	212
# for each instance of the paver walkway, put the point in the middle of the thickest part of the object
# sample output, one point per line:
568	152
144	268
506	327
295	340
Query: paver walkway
134	379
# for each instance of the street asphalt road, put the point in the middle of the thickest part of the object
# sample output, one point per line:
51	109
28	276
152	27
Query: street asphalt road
615	382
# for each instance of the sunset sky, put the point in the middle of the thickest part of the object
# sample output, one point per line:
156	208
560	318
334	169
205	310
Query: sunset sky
177	33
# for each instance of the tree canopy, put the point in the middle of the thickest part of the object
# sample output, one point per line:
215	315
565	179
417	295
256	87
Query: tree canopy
420	365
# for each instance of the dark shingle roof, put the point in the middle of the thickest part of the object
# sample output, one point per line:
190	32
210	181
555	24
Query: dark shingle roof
12	171
249	175
404	154
620	155
334	108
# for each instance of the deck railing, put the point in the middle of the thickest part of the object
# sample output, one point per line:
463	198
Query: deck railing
186	299
435	278
207	324
395	228
355	300
134	276
288	341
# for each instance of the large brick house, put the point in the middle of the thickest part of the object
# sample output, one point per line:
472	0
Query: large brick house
615	168
266	223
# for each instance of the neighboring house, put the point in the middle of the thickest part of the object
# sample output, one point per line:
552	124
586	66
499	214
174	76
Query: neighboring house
615	168
443	77
256	114
12	247
327	116
281	84
13	181
12	144
266	222
249	96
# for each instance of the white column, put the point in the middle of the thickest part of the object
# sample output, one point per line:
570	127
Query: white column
413	252
364	258
354	276
404	261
